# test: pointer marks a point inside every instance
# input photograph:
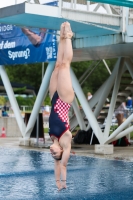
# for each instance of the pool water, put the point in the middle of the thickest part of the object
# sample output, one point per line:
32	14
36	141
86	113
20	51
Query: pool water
29	175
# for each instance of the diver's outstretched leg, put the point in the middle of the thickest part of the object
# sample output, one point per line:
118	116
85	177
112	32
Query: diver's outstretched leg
64	85
54	77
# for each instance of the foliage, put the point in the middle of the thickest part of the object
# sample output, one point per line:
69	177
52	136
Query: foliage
46	130
2	100
22	101
30	74
131	135
47	100
20	90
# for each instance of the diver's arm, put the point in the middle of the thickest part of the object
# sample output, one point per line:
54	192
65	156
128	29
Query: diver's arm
57	172
64	161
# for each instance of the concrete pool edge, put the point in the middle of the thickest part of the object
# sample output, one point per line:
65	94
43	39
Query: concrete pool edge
120	153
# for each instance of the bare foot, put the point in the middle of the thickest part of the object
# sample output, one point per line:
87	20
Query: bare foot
67	31
62	31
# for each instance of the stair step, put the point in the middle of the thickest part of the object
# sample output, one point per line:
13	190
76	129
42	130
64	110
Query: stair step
123	94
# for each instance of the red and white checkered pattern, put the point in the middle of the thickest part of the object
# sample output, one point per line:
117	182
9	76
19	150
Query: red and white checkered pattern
62	109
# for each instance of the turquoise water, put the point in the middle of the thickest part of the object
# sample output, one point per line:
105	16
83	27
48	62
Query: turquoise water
29	175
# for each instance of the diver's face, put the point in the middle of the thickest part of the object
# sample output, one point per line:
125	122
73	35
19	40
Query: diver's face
55	151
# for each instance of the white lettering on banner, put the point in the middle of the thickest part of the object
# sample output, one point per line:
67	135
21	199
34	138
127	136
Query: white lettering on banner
53	44
49	52
19	54
6	28
7	45
1	45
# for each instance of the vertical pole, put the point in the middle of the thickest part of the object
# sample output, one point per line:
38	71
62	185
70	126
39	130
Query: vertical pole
42	70
60	7
37	130
88	5
124	20
41	95
75	2
129	65
71	4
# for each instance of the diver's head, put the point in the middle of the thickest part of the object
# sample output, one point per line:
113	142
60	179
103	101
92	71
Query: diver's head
56	151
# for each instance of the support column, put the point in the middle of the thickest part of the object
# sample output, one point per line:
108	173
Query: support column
78	115
124	133
113	99
106	90
129	65
89	114
41	95
119	129
12	99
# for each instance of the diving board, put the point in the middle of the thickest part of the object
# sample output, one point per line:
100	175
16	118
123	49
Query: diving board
96	35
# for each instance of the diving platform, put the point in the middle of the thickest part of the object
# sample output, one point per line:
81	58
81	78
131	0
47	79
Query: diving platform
96	35
37	15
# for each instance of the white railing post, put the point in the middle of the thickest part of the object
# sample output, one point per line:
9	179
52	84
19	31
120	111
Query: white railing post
71	4
75	2
88	5
60	7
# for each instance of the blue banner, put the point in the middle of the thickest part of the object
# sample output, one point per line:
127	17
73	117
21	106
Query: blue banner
24	45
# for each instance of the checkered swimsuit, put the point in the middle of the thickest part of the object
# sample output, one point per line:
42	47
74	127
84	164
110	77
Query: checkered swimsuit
58	120
62	109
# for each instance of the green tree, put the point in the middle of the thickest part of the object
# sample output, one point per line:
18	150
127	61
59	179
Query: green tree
30	74
20	90
2	100
25	101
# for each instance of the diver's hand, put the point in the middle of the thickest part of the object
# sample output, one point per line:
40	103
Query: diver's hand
58	184
63	183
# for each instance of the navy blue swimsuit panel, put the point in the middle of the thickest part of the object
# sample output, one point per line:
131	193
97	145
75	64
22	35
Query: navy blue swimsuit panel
58	120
